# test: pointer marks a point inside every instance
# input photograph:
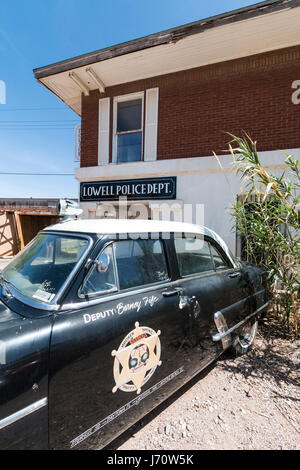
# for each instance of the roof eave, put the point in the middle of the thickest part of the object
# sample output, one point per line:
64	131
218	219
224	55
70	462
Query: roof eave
164	37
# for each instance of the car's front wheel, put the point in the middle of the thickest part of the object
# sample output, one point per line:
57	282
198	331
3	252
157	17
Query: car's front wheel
245	339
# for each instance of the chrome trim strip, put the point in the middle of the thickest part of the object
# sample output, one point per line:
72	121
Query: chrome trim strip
134	402
192	277
117	296
222	327
22	413
242	301
141	290
220	336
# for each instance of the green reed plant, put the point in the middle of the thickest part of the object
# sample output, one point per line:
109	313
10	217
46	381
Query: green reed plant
268	219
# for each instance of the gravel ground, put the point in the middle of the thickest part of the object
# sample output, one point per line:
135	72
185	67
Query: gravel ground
250	402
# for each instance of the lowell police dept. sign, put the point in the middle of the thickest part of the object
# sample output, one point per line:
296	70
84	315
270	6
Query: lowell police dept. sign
133	189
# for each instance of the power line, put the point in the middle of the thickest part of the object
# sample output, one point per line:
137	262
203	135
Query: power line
36	174
36	128
59	124
41	121
34	109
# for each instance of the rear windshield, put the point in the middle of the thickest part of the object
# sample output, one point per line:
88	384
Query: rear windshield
42	268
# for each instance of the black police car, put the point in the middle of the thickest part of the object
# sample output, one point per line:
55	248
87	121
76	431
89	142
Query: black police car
101	320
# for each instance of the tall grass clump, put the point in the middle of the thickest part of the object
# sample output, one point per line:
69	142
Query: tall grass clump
267	218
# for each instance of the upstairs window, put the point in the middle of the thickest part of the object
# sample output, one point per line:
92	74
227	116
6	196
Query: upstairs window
134	130
128	120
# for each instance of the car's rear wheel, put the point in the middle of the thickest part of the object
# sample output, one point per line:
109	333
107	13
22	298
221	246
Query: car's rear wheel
245	338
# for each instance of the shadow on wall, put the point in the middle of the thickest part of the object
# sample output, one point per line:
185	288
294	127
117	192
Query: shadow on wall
8	234
17	229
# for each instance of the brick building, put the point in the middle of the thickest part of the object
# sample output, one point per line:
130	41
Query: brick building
154	109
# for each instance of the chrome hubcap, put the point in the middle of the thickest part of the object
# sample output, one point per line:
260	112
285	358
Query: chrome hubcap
247	334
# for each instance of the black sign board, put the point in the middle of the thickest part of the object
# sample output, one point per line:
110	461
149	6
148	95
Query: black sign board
133	189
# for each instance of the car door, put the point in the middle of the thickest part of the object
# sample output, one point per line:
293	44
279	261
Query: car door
201	291
118	347
213	293
239	293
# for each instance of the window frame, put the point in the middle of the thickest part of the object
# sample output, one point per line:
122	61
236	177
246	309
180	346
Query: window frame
119	99
56	302
222	255
83	295
140	286
210	242
118	290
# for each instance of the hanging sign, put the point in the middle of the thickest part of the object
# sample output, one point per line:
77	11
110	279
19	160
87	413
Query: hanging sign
133	189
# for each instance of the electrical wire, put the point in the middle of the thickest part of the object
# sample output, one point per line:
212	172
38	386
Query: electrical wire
36	128
35	174
41	121
33	109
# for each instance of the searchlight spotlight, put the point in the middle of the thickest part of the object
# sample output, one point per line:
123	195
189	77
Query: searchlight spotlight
68	208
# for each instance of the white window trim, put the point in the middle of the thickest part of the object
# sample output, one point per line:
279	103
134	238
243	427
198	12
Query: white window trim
151	126
103	133
118	99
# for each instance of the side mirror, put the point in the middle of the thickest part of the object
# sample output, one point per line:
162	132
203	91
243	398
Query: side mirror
103	263
218	264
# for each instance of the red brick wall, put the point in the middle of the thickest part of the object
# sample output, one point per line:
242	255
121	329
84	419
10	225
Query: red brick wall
197	106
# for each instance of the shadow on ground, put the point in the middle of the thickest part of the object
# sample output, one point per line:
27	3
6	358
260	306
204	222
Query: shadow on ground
267	364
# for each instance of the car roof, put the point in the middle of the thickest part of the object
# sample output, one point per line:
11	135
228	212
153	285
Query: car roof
137	226
108	226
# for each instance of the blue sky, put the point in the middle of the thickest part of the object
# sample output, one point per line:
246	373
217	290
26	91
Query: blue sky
34	33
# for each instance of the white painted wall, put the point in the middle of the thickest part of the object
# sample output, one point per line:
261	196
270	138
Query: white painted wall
199	181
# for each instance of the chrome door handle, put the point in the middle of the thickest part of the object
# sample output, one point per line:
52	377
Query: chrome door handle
183	302
234	274
175	291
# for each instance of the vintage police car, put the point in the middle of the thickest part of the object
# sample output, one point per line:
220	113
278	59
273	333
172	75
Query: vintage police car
101	320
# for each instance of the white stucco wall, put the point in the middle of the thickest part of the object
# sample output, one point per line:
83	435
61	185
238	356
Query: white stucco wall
199	181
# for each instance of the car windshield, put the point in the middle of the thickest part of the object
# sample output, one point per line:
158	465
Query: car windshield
41	269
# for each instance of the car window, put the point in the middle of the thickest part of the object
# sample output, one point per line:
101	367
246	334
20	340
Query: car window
41	269
140	262
101	277
219	260
67	250
193	255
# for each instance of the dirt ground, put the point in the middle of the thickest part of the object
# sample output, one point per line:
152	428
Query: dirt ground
250	402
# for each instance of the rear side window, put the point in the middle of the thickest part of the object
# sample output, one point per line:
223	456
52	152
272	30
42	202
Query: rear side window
219	261
140	262
193	255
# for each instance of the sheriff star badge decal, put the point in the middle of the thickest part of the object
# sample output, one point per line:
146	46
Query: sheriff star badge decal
136	359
